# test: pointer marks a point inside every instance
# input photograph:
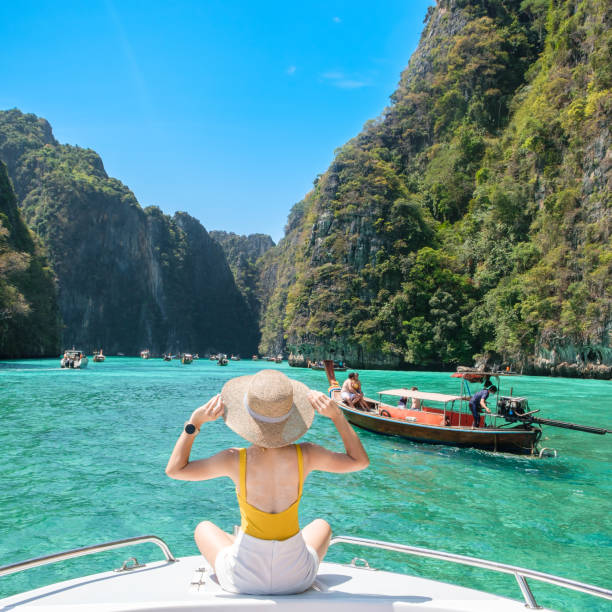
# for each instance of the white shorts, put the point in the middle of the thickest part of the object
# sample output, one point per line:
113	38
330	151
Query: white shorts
267	567
346	395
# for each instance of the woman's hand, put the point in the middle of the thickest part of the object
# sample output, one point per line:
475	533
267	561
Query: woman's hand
210	411
324	405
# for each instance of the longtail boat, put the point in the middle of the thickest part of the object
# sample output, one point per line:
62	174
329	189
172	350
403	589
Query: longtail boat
447	419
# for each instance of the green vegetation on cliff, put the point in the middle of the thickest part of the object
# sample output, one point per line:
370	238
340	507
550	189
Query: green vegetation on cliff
474	214
29	317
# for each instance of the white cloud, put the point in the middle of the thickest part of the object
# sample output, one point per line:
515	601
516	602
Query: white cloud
332	76
350	84
339	79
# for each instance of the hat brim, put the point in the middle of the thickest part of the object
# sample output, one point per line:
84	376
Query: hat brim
268	435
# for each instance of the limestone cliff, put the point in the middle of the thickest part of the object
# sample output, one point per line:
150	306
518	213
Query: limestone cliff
128	278
473	216
243	254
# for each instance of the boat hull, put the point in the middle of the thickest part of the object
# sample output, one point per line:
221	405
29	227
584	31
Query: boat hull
518	440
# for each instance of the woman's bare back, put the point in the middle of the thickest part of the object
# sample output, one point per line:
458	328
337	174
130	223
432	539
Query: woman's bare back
272	478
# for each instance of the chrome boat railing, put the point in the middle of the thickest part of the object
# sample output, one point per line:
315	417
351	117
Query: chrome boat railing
87	550
520	573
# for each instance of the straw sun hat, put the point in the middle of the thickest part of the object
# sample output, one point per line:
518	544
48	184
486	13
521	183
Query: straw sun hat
268	408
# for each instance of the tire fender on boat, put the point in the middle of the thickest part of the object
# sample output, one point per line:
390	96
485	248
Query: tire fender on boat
385	413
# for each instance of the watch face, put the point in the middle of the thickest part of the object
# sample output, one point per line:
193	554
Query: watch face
190	428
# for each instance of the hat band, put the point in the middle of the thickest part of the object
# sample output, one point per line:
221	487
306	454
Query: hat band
262	417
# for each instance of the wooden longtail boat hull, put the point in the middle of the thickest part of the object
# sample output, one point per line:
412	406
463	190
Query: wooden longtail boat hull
518	440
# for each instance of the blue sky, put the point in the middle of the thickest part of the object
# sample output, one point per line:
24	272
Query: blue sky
226	110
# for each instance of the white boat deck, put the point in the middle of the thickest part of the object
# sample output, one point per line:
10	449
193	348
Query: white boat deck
189	585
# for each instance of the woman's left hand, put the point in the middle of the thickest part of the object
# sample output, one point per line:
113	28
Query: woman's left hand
210	411
324	405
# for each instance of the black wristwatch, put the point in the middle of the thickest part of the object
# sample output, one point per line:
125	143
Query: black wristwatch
190	428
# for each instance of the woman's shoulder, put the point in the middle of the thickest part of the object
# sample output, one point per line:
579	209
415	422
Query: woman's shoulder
229	455
311	450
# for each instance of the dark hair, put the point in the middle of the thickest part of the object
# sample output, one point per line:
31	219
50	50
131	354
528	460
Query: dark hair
351	375
493	389
414	389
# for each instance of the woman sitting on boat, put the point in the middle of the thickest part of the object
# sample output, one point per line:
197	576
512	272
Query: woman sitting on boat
356	384
270	554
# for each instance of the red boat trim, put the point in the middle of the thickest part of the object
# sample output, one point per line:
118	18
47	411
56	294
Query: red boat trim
477	430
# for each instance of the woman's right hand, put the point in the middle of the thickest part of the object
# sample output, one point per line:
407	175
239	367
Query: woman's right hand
210	411
324	405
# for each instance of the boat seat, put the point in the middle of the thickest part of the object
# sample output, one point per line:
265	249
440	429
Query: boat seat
431	418
413	416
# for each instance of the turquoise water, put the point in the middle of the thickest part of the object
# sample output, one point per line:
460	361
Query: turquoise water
84	453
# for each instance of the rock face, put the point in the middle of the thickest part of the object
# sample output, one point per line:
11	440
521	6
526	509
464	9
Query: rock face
128	278
29	318
473	215
243	254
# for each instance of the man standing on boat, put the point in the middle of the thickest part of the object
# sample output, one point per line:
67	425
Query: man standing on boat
478	402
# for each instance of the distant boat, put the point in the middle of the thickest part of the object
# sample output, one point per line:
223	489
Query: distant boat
167	357
75	360
98	357
235	358
316	365
222	361
213	357
145	354
186	358
339	366
255	358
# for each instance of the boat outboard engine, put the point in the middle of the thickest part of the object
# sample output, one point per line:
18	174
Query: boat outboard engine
515	409
511	408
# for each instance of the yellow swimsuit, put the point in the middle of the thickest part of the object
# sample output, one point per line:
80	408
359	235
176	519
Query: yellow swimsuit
269	525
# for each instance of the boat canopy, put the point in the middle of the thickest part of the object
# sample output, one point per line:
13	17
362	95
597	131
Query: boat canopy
422	395
480	374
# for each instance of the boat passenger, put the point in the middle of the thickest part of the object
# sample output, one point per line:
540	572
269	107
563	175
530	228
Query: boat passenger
348	393
478	402
402	402
359	395
416	402
270	554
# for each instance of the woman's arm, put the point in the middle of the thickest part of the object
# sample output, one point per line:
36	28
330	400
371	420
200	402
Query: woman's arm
318	458
220	464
